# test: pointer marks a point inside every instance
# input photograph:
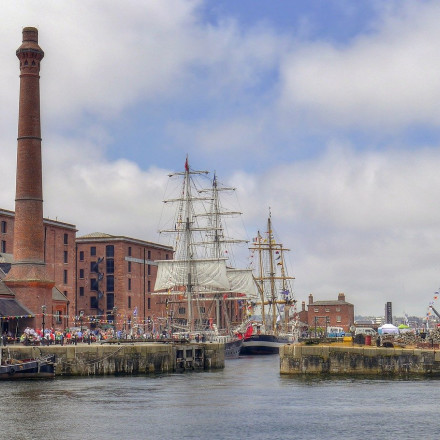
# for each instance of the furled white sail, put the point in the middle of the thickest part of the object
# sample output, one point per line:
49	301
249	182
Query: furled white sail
242	281
208	272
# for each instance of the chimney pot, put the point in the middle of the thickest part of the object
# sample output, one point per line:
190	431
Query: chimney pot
30	34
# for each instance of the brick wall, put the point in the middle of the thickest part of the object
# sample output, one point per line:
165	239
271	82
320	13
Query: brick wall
54	249
339	313
134	273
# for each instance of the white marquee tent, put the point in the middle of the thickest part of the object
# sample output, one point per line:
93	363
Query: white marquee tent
388	329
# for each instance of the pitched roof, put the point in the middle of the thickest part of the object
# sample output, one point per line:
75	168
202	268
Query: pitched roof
96	235
11	307
4	289
103	237
328	303
57	295
6	258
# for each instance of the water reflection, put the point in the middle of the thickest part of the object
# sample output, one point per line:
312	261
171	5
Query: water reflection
248	399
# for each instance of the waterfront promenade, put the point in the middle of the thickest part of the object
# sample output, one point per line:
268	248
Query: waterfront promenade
124	357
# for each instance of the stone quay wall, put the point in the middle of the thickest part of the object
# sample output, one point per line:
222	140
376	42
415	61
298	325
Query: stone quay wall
124	359
299	359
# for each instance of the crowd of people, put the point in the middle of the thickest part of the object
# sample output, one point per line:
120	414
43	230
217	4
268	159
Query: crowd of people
76	335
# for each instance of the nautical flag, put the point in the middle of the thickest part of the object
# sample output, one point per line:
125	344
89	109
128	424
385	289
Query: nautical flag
249	332
186	165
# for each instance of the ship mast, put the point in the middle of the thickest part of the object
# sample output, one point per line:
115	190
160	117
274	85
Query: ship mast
184	249
268	280
216	235
261	285
188	252
199	266
272	275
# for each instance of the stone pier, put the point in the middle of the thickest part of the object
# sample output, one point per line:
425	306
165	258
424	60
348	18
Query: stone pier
298	359
124	359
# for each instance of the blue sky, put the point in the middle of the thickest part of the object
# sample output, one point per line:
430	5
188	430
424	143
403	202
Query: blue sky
326	111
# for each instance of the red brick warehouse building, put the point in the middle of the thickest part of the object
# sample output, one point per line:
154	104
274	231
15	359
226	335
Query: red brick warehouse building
115	277
121	268
335	313
59	257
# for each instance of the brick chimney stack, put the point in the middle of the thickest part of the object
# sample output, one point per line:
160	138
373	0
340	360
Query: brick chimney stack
28	277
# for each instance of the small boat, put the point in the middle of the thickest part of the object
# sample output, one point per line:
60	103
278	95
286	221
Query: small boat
39	368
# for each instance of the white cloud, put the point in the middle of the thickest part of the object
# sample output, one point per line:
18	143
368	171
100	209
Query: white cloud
366	224
385	79
83	188
362	223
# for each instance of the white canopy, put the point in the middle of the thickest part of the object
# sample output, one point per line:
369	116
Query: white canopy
388	329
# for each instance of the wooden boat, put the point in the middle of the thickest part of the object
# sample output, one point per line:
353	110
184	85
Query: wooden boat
39	368
201	285
271	329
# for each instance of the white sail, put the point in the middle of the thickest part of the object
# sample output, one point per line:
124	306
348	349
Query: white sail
242	281
208	272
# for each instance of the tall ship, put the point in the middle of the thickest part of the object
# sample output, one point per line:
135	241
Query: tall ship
270	324
202	288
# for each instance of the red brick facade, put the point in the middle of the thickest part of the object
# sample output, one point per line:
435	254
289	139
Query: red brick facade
119	273
337	313
59	256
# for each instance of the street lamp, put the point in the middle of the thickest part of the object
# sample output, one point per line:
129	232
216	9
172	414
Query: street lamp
43	308
115	309
81	315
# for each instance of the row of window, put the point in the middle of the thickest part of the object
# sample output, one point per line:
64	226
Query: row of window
3	243
110	253
109	268
109	249
316	309
94	302
110	283
148	253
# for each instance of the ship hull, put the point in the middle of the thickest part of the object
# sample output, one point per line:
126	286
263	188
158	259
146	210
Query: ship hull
262	344
28	369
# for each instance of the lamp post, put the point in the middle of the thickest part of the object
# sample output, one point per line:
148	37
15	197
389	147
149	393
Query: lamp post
43	309
81	315
115	309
